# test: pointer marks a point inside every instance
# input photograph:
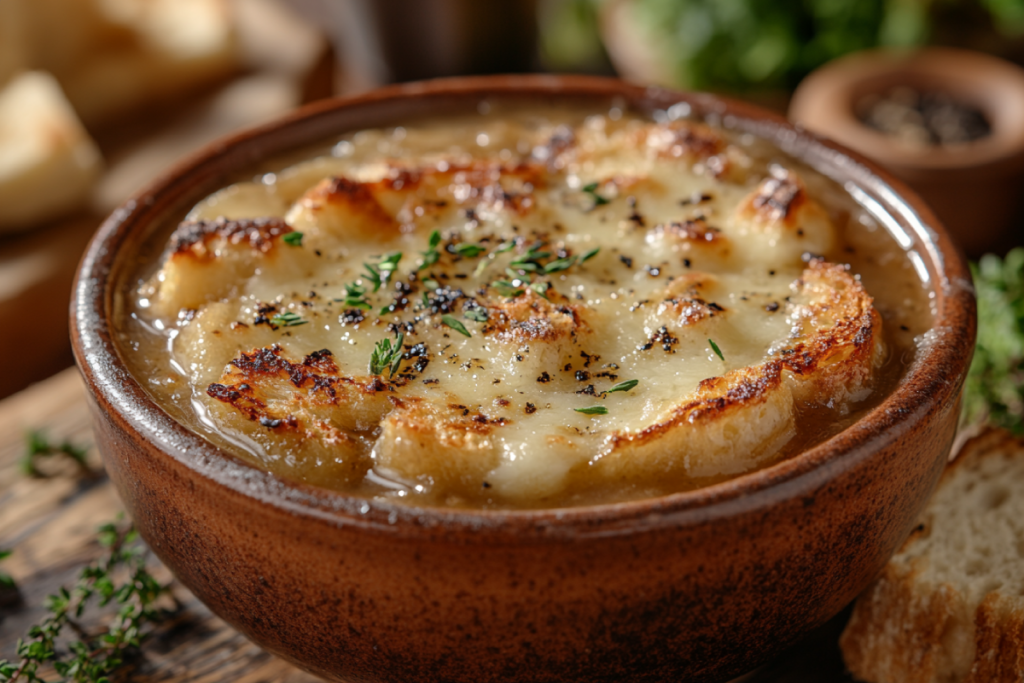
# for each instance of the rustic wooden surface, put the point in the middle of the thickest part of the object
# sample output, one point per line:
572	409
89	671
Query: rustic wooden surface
51	522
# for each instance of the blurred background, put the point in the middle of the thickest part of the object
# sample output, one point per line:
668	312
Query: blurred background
97	97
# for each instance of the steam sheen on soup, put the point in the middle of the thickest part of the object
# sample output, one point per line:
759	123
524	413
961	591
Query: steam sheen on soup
525	308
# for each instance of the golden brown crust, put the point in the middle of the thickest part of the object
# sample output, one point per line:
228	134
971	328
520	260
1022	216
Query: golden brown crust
194	238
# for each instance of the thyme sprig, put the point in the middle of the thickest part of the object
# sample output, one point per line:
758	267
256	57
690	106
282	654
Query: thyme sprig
91	657
380	273
293	239
387	356
355	296
39	446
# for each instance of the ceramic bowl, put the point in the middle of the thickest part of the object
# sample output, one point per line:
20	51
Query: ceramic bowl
974	188
696	586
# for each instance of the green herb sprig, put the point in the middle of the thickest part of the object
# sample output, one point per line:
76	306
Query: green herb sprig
293	239
355	296
380	273
92	657
387	356
39	446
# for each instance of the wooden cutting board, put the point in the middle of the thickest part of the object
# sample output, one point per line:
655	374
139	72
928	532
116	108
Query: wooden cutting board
50	523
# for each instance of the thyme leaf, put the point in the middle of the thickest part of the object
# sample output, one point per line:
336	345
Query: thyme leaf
714	347
431	255
453	323
623	386
288	319
478	314
506	288
469	250
293	238
592	410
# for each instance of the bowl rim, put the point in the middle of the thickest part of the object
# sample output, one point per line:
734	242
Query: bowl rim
934	378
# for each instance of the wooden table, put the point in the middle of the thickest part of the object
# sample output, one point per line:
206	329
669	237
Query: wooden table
51	522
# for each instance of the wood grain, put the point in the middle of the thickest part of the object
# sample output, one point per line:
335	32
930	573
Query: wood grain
51	522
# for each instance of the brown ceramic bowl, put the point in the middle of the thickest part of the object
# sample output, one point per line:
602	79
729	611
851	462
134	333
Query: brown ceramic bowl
696	586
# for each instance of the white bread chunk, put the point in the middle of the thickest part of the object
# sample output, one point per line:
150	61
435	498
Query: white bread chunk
949	606
167	47
47	160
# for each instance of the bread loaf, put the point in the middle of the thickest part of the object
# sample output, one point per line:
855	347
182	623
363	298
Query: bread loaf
949	606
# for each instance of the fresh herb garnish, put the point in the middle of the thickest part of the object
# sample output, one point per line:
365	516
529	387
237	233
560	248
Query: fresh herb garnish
530	260
560	265
92	657
477	314
431	255
590	254
38	446
387	356
453	323
714	347
380	273
293	238
541	288
469	250
591	189
502	248
506	288
288	319
623	386
592	410
355	296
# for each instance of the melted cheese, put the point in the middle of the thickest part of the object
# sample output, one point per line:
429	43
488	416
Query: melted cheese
702	283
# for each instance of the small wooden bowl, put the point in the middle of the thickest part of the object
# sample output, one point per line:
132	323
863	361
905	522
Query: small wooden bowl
695	586
974	187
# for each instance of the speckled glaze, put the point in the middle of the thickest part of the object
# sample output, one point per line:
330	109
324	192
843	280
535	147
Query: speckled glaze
696	586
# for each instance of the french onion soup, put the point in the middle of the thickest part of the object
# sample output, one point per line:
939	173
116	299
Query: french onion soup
525	308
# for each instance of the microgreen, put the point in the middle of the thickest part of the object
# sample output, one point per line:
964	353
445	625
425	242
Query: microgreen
387	356
592	410
288	319
714	347
453	323
293	238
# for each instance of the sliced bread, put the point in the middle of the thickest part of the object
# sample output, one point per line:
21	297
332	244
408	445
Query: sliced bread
949	606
